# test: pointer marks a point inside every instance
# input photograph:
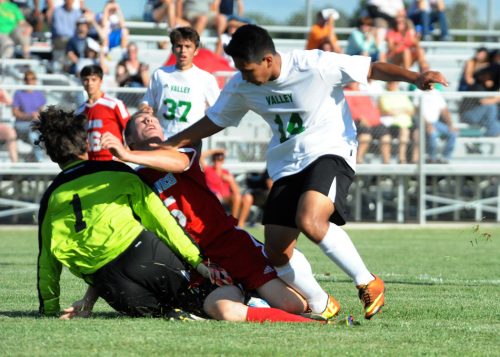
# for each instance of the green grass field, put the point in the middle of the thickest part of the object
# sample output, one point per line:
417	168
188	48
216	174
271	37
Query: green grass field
442	298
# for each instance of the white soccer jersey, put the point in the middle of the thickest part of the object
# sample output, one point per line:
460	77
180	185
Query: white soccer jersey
180	98
305	107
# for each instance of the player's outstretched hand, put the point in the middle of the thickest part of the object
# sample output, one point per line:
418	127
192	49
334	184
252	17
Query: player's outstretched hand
79	308
113	144
426	79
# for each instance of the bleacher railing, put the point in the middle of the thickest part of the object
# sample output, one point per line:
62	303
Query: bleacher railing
466	188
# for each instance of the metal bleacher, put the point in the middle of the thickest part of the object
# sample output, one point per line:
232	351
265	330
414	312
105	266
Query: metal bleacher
466	189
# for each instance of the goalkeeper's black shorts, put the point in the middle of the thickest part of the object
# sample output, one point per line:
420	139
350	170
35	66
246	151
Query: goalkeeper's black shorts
148	279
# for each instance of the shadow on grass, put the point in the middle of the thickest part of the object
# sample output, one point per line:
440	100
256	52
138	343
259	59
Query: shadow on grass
35	314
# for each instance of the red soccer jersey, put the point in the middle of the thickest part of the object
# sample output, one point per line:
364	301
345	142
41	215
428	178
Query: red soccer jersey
189	199
106	114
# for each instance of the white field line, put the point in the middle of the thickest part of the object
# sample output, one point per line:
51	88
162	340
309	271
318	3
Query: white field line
424	278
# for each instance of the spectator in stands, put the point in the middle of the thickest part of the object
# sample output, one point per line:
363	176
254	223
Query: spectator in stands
104	113
366	116
232	25
93	55
258	185
7	132
77	44
14	30
223	184
180	94
51	5
362	40
163	11
438	125
32	14
472	66
323	29
403	47
112	22
130	72
26	107
384	13
226	7
202	13
484	111
397	111
424	13
63	21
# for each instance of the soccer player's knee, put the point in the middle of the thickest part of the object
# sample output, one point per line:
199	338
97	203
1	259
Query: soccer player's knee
307	223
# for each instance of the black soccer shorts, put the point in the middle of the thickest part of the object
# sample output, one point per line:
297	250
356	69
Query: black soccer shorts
329	175
148	279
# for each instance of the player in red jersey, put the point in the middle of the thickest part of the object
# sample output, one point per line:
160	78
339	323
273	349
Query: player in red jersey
105	114
177	177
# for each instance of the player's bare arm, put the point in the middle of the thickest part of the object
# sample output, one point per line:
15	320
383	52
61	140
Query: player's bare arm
199	130
390	72
168	159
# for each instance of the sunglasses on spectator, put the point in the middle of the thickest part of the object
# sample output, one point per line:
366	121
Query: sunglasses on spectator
30	79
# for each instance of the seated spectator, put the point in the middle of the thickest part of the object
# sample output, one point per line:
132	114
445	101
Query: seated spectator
7	132
362	40
438	124
93	55
226	7
323	29
200	14
403	48
163	11
232	26
130	72
326	46
51	5
63	21
484	111
77	44
384	13
14	30
222	183
424	13
366	116
112	21
26	107
397	111
473	66
258	185
32	14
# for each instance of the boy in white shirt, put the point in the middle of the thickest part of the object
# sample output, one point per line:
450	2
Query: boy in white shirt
179	94
311	156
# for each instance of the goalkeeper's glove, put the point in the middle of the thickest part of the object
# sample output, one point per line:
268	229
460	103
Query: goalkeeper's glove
217	275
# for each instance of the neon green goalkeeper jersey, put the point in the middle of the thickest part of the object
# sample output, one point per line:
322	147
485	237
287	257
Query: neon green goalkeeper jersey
89	215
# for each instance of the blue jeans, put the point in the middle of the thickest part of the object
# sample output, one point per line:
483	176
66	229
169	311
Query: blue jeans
426	18
441	130
486	116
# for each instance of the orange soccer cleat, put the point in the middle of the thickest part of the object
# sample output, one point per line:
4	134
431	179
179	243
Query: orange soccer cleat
372	296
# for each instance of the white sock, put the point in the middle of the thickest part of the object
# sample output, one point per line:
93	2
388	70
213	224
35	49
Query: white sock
339	248
298	274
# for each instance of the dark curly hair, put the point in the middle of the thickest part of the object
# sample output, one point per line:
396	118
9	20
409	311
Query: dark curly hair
62	133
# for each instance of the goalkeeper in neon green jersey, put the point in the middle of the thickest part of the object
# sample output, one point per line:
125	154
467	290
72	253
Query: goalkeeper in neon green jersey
102	222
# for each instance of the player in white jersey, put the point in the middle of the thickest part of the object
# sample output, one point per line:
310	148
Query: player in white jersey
180	94
311	156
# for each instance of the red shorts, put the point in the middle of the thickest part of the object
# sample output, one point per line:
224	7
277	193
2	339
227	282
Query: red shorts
243	258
